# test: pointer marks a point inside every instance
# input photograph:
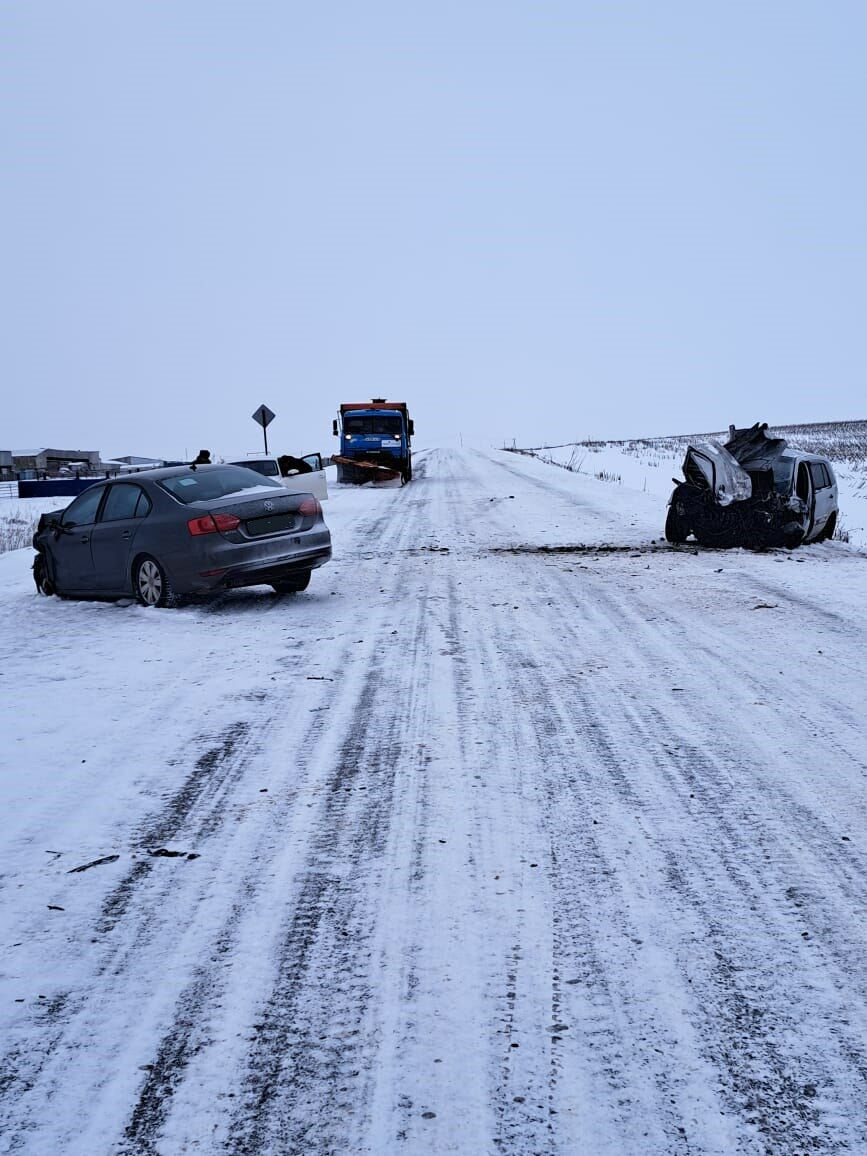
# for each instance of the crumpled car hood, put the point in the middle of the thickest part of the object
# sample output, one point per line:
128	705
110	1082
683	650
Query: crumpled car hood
727	480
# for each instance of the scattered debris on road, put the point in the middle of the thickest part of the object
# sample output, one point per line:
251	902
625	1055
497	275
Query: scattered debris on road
580	548
94	863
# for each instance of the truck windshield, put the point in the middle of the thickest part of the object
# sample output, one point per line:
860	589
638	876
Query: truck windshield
389	425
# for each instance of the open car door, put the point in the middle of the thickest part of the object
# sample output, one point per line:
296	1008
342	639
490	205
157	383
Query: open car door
312	482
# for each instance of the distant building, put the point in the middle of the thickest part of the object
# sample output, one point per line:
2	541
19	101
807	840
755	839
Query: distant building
133	462
53	463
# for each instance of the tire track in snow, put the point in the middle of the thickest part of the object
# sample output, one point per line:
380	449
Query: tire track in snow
431	1067
705	770
194	1009
191	1016
768	1091
204	785
189	1029
307	1079
202	793
499	796
760	821
178	1047
597	1013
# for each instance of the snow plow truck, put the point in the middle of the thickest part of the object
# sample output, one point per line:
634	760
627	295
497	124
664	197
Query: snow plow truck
375	441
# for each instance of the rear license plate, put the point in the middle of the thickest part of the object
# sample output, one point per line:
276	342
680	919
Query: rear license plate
276	524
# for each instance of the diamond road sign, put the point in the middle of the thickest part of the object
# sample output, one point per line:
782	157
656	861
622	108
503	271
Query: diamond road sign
264	416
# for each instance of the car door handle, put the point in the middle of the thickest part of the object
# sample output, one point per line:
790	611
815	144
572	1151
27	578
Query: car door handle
125	534
85	538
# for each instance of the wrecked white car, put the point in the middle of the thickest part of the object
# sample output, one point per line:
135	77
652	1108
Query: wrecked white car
753	491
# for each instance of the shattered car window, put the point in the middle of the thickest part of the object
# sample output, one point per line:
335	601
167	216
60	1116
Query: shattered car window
783	469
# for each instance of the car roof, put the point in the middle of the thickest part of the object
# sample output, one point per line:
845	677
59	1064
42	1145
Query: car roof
803	456
176	472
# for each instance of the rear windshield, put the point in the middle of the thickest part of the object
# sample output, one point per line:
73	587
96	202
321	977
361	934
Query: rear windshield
264	466
210	484
374	424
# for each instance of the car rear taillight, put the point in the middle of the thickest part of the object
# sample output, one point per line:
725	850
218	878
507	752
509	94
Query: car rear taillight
310	507
212	523
205	525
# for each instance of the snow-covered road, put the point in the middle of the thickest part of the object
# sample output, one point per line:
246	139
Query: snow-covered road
499	848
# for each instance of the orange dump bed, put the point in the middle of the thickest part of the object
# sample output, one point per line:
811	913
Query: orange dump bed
346	406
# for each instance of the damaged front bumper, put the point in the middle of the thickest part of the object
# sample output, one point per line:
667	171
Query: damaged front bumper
756	523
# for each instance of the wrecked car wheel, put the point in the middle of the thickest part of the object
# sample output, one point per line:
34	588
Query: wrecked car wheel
723	542
676	529
43	580
714	533
718	537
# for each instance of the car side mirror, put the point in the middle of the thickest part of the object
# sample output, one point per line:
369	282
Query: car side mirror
412	429
334	427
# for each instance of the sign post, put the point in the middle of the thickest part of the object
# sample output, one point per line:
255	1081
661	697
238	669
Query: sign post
264	417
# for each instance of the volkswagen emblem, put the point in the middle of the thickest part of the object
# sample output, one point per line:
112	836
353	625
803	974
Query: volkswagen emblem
269	506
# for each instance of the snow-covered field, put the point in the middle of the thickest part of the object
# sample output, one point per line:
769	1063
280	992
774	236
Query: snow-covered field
18	518
518	832
649	464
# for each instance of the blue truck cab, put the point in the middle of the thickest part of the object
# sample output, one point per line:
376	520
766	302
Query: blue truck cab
375	441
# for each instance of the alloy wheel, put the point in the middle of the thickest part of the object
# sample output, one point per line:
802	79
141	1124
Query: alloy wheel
150	583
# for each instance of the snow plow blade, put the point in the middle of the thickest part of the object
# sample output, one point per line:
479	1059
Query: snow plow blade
357	471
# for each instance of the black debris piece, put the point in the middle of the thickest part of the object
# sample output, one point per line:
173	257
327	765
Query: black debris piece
93	863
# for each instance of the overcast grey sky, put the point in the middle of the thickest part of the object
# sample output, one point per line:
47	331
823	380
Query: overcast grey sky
540	220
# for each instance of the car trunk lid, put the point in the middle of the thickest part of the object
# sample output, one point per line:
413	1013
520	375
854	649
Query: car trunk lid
269	512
